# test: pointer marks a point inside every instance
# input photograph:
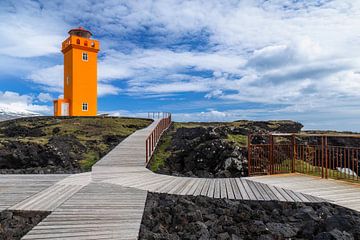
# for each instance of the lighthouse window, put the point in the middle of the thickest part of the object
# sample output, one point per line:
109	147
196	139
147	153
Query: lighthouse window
84	107
84	56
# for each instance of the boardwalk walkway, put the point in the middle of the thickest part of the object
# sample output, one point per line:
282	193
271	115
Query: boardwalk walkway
108	202
342	193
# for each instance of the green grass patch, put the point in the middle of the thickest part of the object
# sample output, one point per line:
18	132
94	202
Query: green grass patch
161	153
309	169
89	159
240	140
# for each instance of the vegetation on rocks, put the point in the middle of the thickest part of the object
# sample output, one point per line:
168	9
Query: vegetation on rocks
60	145
210	149
175	217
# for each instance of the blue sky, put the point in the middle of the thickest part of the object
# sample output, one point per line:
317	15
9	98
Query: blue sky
203	60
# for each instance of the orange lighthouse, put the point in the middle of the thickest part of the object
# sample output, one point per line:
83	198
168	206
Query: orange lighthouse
80	75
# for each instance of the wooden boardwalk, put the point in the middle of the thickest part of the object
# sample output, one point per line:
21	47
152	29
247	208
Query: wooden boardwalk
16	188
52	197
108	203
335	191
97	211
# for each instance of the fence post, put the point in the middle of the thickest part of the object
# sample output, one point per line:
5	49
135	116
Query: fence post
249	154
294	154
271	151
147	150
322	156
326	158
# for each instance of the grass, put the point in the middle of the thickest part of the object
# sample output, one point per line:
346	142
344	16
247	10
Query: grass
240	140
161	153
89	131
90	158
306	168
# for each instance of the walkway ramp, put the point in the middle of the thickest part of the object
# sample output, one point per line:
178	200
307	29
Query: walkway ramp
342	193
230	188
52	197
128	156
97	211
15	188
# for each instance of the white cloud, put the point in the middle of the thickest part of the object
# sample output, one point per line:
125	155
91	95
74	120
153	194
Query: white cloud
45	97
296	53
51	79
16	103
107	89
35	33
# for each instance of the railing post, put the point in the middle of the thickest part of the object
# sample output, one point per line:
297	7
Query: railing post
249	154
271	160
152	142
322	156
294	154
147	150
326	157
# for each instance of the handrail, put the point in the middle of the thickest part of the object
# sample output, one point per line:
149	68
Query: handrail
298	155
154	137
157	115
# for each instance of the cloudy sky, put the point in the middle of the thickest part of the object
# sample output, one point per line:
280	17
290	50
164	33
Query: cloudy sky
202	60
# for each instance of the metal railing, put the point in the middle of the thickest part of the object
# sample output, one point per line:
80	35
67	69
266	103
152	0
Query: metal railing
154	137
328	156
157	115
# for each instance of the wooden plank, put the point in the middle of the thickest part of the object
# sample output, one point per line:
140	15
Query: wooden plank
267	191
189	186
242	189
237	193
251	190
229	189
200	187
211	188
217	188
277	193
205	188
223	193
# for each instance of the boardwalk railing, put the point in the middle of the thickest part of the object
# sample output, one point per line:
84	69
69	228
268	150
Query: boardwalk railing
328	156
155	135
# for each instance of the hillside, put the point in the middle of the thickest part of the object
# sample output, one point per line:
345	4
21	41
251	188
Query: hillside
60	145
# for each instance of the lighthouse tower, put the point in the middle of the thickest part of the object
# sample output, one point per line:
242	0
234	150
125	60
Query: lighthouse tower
80	75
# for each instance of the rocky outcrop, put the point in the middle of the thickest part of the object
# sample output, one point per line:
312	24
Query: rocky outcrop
204	152
59	155
60	144
207	150
187	217
250	127
15	224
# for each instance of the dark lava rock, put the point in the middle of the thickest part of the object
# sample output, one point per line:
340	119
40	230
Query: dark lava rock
16	130
204	152
59	155
188	217
15	224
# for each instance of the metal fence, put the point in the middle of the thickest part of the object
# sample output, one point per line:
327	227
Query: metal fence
328	156
154	137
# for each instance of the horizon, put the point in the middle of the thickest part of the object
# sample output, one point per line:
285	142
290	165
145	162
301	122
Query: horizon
201	60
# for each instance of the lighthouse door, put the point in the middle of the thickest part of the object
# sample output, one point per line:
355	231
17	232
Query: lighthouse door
65	109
